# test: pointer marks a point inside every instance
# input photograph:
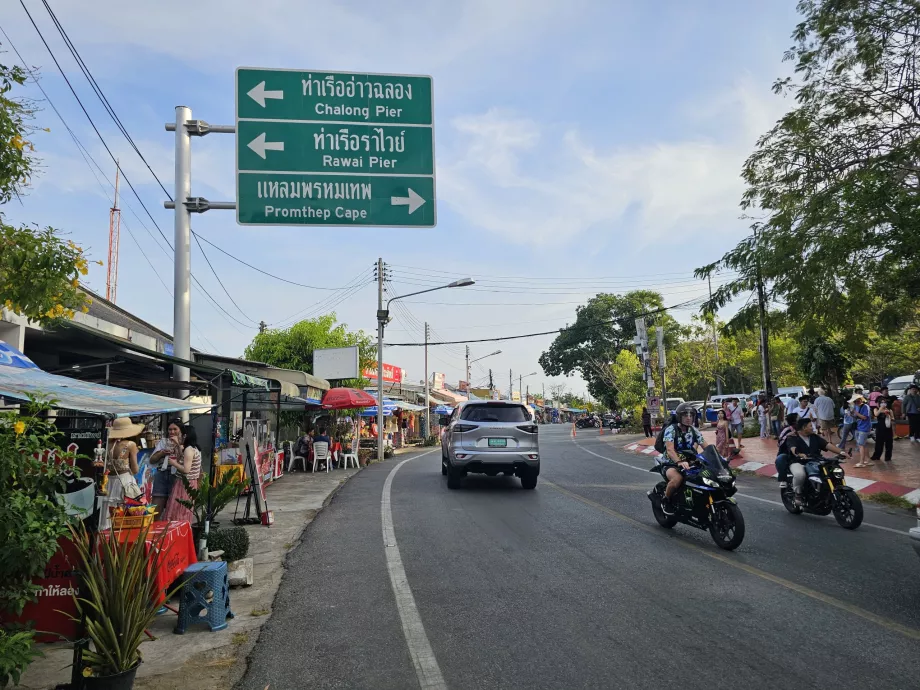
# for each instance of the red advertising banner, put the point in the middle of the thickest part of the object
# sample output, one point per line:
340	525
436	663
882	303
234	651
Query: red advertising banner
391	374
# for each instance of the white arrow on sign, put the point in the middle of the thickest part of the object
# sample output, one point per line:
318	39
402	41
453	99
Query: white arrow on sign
260	146
413	201
259	94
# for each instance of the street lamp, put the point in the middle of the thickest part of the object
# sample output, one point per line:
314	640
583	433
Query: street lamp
469	361
383	317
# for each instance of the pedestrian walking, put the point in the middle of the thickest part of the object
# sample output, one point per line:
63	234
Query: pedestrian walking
723	435
873	398
762	418
863	415
824	408
849	424
647	422
911	407
736	419
884	431
777	415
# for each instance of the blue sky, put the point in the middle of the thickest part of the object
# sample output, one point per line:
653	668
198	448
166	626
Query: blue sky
575	140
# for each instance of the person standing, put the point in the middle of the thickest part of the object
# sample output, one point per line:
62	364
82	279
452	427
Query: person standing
723	436
164	472
873	398
777	414
884	431
647	422
824	408
849	424
862	414
189	466
911	407
121	464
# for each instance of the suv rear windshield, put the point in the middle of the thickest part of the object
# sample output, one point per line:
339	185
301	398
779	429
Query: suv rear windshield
495	412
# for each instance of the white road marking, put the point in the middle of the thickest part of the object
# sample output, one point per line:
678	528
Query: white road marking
903	533
426	666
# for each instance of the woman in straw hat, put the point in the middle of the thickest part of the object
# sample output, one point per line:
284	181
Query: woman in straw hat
121	461
188	464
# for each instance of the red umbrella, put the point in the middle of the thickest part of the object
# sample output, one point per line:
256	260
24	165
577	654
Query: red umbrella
345	398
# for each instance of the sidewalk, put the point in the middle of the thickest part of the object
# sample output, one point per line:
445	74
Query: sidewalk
201	659
900	477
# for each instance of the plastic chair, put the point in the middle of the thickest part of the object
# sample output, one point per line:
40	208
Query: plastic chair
293	458
351	456
321	454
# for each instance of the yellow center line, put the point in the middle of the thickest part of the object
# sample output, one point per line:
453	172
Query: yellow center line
887	623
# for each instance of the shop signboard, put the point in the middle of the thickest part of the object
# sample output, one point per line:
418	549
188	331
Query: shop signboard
336	363
437	380
334	148
391	373
464	386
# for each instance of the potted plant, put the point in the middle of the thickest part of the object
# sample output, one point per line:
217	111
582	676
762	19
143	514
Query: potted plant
205	498
118	599
234	542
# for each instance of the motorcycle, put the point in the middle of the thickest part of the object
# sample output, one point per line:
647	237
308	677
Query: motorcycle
705	499
824	493
588	423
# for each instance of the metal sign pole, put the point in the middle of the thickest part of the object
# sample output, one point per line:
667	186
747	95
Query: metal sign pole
182	287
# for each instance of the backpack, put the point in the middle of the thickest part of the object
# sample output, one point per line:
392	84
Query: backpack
659	439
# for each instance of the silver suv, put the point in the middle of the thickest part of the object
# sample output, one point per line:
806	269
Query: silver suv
490	437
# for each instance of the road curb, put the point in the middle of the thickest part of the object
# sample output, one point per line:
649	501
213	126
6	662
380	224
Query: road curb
859	484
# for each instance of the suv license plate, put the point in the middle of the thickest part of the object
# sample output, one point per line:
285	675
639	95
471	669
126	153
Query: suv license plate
498	443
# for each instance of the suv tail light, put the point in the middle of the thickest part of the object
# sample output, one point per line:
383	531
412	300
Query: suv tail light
529	428
464	427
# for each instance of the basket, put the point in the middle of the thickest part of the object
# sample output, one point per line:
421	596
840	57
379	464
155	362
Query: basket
133	521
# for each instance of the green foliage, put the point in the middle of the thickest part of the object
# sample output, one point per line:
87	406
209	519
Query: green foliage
233	541
16	653
118	596
883	356
836	179
626	378
15	148
228	487
292	348
40	273
591	343
823	362
31	519
431	441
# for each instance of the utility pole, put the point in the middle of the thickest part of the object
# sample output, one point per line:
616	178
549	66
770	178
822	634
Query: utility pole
491	383
764	334
262	326
427	403
111	280
381	322
661	364
527	399
544	395
468	372
520	384
715	341
510	385
182	240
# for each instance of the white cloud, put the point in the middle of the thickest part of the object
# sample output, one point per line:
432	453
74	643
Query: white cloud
505	174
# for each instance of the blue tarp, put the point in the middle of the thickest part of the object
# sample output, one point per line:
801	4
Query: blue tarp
389	407
443	409
20	378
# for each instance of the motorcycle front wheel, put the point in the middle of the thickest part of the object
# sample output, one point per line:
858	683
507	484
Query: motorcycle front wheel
727	526
848	509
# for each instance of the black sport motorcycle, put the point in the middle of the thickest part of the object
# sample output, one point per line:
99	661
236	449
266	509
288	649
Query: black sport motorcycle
705	499
589	422
825	492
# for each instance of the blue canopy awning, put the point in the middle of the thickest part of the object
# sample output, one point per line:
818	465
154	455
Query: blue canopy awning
20	378
443	409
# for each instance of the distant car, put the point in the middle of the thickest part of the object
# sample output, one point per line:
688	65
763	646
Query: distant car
898	386
490	437
672	403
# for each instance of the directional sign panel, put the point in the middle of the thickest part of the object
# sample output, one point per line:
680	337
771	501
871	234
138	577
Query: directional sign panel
334	148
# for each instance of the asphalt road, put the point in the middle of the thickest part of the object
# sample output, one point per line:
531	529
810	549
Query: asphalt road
574	585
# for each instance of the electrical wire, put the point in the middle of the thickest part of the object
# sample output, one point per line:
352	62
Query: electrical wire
221	283
697	300
329	302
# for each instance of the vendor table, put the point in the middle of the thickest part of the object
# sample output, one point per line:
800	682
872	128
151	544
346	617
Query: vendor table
177	546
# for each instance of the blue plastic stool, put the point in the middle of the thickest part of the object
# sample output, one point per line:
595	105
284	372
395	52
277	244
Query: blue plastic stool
205	588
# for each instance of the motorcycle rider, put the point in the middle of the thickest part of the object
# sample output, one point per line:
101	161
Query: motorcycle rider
680	436
806	448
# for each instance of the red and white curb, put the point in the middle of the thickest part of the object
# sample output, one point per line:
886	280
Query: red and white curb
866	486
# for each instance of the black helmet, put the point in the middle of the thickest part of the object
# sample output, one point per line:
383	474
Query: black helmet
684	408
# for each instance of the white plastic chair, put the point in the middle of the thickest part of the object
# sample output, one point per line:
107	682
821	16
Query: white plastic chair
292	459
321	454
352	455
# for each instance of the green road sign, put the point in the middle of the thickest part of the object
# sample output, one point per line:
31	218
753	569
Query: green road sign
334	148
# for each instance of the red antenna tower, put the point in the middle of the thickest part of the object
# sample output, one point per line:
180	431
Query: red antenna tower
111	279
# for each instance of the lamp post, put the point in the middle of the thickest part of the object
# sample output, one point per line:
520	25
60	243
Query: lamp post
383	316
469	361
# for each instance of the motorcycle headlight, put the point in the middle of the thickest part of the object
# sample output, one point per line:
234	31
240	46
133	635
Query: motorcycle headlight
709	482
838	472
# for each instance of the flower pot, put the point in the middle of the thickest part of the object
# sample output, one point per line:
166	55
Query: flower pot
120	681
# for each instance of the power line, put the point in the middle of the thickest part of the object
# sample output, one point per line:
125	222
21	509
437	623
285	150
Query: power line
555	332
220	282
432	272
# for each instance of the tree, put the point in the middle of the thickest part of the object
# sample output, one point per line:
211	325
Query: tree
603	327
626	377
836	180
39	271
292	348
823	362
895	355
